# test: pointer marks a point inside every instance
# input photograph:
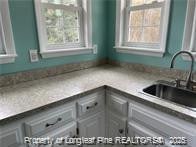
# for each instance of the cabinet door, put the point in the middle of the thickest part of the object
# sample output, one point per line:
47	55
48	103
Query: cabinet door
93	126
11	136
116	127
137	130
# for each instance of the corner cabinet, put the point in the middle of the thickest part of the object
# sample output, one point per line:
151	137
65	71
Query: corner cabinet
116	113
91	120
93	126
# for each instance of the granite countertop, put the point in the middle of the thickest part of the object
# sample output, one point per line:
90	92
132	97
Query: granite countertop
17	100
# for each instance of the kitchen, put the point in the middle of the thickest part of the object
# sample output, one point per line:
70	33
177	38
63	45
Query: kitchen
111	73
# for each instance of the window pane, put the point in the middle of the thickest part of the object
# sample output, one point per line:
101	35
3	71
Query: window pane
72	35
70	19
136	18
63	2
55	36
135	34
136	2
152	17
62	26
141	2
53	17
151	34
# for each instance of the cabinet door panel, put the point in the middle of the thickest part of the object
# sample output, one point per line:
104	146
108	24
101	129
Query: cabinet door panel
93	126
137	130
116	128
11	136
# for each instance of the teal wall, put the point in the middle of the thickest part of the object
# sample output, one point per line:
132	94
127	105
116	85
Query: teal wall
174	38
25	36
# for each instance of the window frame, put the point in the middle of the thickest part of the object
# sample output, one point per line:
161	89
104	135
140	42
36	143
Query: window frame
189	35
140	48
6	34
85	47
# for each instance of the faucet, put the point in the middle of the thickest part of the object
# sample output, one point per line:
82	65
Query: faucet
189	78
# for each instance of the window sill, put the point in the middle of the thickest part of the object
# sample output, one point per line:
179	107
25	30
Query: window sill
139	51
9	58
66	52
187	57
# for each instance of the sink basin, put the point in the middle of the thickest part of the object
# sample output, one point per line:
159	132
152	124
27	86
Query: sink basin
173	94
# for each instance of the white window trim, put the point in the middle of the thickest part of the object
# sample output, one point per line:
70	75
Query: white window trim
120	23
87	33
189	36
10	53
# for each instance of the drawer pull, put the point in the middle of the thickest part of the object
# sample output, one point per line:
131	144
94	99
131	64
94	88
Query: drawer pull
51	124
121	131
92	106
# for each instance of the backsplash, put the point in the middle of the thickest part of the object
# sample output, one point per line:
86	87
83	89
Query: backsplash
15	78
166	72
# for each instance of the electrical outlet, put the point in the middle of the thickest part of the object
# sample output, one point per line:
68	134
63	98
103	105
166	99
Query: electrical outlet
95	49
33	55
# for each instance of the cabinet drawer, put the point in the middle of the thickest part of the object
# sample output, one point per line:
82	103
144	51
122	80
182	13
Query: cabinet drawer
163	124
50	120
91	103
69	130
117	104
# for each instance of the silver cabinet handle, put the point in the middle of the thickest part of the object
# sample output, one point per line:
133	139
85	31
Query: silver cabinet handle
52	124
92	106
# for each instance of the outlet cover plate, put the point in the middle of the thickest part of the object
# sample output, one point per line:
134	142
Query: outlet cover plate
33	53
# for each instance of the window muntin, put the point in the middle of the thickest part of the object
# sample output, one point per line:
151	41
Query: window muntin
62	21
61	2
143	23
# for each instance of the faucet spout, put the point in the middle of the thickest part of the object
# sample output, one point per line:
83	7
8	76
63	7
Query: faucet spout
189	78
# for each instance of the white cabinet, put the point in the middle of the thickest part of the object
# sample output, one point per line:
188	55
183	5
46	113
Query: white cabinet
91	104
117	103
146	121
45	122
11	135
68	130
92	126
116	116
116	127
137	130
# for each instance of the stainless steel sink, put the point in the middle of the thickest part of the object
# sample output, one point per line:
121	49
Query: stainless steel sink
180	96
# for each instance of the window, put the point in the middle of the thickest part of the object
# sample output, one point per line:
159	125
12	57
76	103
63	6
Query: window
143	27
7	48
64	27
189	39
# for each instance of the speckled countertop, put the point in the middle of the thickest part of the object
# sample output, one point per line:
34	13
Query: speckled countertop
16	101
